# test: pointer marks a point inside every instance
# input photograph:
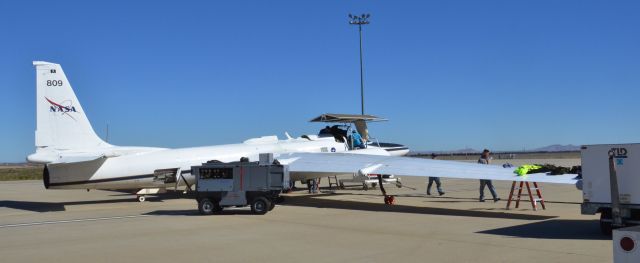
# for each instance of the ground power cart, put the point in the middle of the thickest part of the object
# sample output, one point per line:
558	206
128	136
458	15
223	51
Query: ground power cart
257	184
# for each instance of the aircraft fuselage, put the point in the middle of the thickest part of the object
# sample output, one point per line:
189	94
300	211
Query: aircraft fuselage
138	170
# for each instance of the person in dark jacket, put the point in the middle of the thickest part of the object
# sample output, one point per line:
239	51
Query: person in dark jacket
312	185
485	158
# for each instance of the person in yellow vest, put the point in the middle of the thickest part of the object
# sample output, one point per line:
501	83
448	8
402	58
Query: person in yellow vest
485	158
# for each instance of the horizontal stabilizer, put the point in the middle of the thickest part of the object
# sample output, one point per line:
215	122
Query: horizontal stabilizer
77	159
60	158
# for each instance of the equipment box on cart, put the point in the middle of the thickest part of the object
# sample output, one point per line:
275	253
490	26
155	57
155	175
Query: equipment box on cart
258	184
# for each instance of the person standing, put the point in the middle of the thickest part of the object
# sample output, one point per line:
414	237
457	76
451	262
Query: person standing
485	158
358	142
434	179
312	186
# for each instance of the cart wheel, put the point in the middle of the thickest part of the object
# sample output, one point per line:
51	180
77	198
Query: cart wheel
205	206
260	206
365	186
141	198
605	222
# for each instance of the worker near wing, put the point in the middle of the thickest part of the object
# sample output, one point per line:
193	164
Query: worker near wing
433	179
486	159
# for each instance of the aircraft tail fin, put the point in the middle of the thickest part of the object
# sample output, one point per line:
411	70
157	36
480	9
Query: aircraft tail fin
61	122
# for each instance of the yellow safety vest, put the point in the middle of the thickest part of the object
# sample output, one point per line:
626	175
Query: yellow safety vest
524	169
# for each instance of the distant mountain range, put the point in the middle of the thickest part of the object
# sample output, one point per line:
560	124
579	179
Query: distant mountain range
558	148
550	148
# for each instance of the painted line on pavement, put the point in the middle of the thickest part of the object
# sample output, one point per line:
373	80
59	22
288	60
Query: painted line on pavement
71	221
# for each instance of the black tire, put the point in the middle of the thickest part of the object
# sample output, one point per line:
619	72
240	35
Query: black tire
272	206
206	207
217	208
605	222
260	206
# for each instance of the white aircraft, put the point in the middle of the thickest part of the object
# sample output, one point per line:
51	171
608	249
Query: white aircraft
76	158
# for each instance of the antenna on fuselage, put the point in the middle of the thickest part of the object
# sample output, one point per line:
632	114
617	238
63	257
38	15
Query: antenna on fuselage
106	137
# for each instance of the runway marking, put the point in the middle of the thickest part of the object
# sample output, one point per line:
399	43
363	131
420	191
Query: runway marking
70	221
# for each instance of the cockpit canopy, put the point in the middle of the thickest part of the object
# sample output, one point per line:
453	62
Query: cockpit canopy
346	118
360	121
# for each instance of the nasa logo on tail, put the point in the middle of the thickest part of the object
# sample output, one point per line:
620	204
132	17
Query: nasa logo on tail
64	110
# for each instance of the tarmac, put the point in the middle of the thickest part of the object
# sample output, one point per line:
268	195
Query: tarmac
351	225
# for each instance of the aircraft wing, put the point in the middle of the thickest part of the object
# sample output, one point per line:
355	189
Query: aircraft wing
324	164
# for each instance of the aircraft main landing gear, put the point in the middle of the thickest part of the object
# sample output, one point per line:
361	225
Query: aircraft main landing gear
388	199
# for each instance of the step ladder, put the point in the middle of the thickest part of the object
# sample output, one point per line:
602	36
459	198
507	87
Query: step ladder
333	182
526	185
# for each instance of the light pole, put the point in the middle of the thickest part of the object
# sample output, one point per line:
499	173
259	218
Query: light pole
360	20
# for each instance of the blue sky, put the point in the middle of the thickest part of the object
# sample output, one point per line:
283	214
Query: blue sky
448	74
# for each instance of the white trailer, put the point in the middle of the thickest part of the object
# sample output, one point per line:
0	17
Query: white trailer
607	169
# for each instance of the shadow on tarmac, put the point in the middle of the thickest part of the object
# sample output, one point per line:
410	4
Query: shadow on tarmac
33	206
194	212
311	201
553	229
57	207
303	201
